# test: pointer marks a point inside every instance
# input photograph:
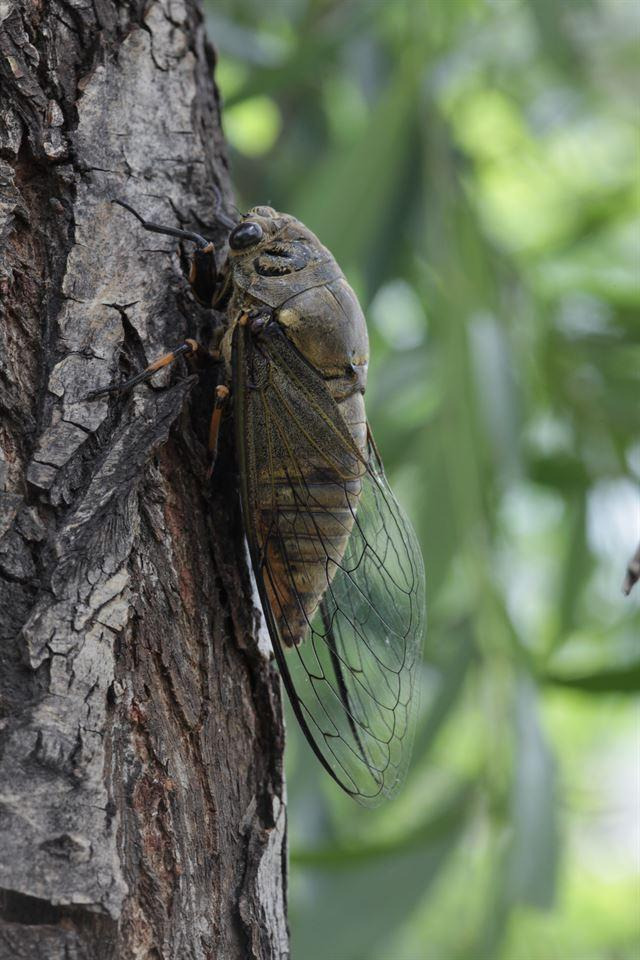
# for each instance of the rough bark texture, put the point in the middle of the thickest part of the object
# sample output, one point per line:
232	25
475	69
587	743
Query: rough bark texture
141	790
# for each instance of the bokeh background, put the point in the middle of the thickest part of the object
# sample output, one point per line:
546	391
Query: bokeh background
473	165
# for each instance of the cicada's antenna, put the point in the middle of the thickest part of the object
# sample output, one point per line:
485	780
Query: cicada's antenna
169	231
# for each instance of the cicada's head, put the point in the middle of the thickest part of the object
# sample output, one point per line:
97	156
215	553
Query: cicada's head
278	263
270	250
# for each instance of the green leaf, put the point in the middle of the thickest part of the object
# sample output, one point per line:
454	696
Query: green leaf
444	821
532	859
347	902
617	680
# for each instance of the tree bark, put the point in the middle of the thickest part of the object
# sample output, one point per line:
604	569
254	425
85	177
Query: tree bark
141	737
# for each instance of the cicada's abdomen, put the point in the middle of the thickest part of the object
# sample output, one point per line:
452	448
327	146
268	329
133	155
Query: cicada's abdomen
306	518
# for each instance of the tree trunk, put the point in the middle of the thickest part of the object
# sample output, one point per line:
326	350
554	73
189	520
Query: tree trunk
141	785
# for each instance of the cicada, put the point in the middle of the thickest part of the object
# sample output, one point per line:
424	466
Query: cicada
336	562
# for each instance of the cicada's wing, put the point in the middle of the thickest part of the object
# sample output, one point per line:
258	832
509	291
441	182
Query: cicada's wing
351	672
367	638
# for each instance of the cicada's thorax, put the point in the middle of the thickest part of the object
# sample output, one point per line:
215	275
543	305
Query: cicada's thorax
305	510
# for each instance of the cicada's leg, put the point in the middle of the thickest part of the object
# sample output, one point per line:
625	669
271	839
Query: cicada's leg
203	275
258	319
222	396
186	349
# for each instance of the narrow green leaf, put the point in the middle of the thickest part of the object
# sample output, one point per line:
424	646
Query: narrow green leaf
451	815
617	680
533	855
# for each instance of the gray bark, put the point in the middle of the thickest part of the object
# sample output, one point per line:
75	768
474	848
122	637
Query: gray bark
141	786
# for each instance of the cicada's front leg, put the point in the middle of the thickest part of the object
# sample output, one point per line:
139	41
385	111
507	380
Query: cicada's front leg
208	285
203	275
187	348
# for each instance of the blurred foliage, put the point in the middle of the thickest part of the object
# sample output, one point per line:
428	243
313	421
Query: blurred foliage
473	165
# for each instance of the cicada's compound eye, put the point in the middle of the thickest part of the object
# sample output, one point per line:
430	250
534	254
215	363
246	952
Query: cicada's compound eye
245	235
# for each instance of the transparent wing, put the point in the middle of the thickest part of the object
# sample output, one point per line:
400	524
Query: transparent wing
364	647
351	674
